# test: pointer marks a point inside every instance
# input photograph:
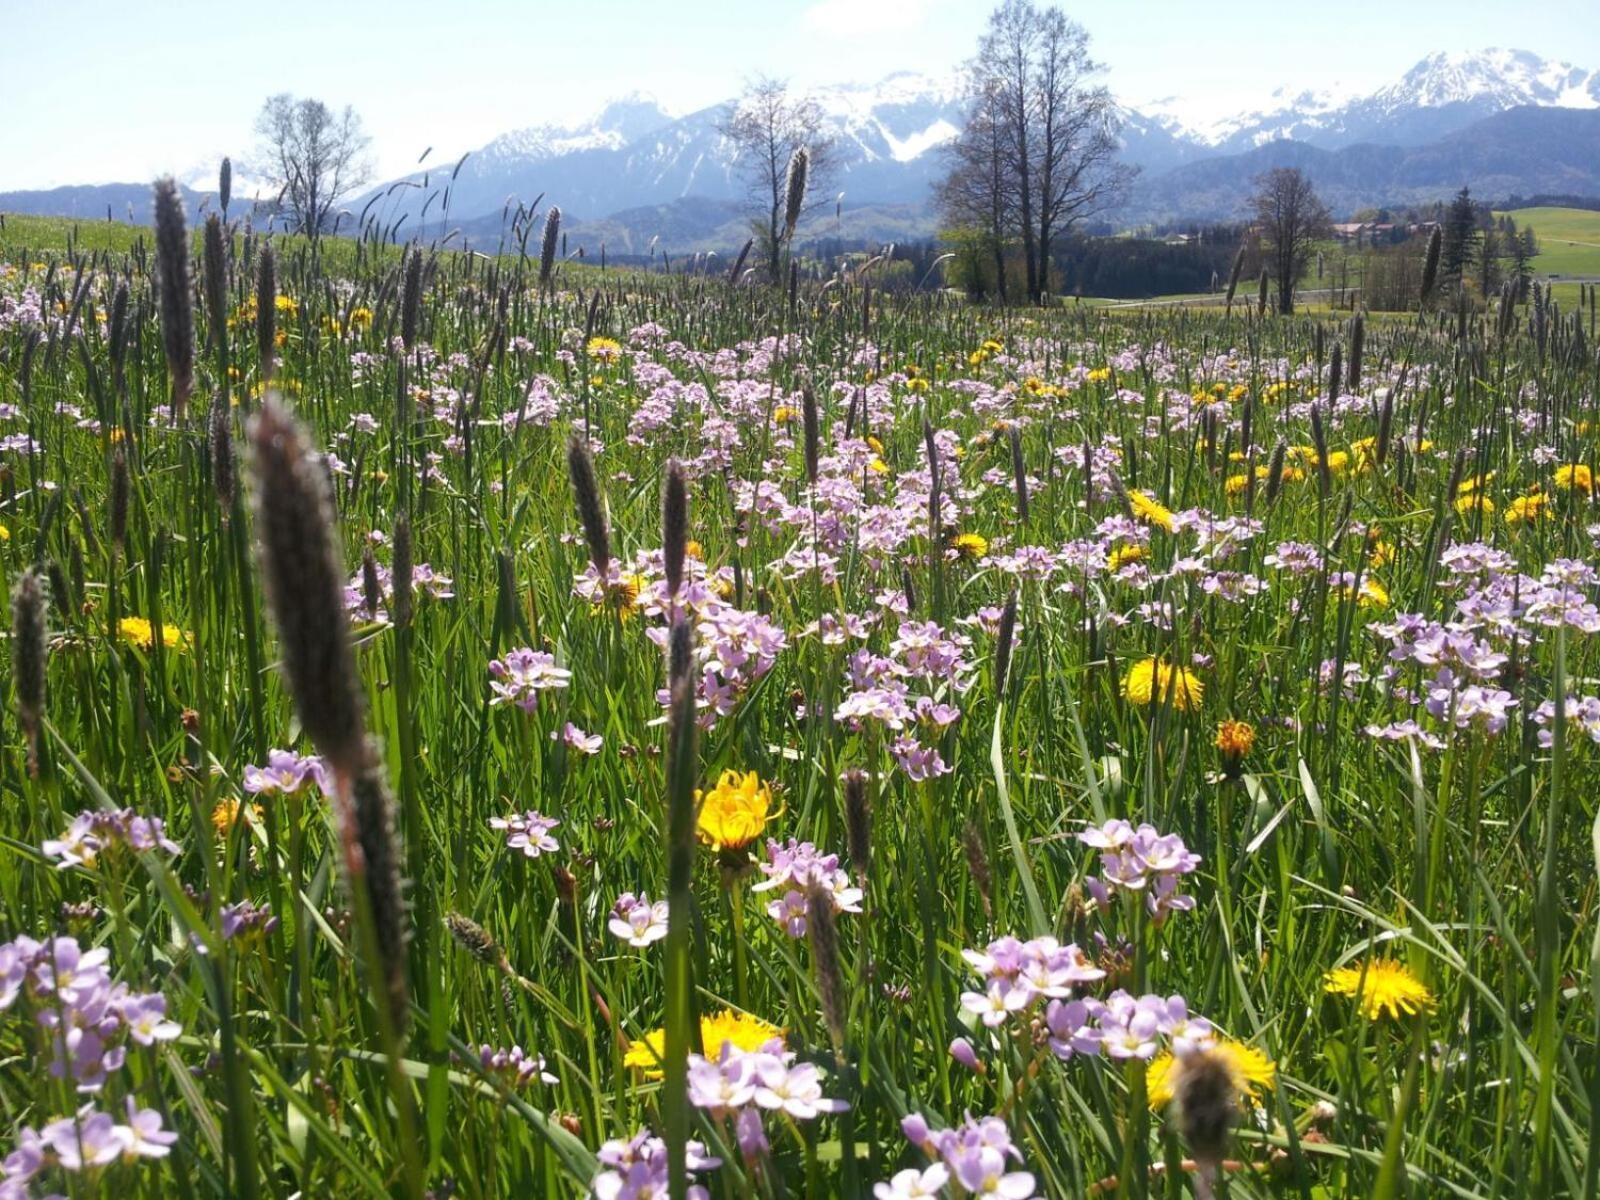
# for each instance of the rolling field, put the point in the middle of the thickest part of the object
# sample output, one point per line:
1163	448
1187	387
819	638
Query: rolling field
476	728
1569	241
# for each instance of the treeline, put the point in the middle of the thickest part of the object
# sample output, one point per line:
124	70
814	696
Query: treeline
1481	255
1552	200
1133	268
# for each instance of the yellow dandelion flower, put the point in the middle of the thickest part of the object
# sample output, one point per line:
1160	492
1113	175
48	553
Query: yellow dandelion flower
5	534
733	814
361	318
1156	681
225	815
1251	1071
603	349
970	546
725	1028
1123	555
1150	511
1373	594
1474	501
1380	986
1532	507
695	550
1235	739
1379	552
784	414
138	632
1099	375
916	385
1576	477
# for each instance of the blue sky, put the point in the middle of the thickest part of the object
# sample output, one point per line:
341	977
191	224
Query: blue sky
96	90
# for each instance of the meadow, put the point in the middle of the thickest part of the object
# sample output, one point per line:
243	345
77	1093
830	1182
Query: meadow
480	728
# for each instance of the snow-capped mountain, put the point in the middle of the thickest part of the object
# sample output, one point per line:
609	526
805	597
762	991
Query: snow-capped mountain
1441	94
635	154
1499	121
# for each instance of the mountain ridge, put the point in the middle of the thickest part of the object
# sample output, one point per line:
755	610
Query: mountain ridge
635	161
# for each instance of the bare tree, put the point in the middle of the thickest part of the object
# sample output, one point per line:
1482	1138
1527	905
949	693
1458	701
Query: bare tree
977	193
1079	172
1058	131
1291	218
767	126
1004	70
313	155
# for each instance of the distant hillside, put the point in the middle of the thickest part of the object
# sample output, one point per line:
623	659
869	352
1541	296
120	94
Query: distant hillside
1522	150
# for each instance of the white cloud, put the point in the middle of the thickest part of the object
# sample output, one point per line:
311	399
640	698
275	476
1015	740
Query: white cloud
852	18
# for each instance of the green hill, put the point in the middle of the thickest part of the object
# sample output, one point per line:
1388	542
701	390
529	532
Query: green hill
1569	241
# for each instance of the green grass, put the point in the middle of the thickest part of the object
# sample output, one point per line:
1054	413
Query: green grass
1569	240
1468	858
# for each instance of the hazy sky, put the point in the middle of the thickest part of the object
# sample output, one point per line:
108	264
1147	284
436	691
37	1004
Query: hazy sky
100	90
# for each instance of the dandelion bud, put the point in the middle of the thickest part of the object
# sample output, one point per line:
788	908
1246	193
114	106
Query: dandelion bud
372	861
215	261
825	957
547	252
28	635
590	510
119	499
808	410
1003	641
411	299
304	583
223	475
674	526
266	311
1207	1095
172	277
858	821
475	940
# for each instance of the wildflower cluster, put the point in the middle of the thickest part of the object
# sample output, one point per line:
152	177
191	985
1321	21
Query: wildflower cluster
93	832
798	868
977	1156
1140	860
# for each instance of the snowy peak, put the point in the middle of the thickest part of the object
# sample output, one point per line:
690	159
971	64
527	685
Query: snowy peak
1440	94
620	122
1508	78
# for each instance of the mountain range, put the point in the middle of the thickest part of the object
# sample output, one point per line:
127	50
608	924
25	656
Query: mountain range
1499	121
